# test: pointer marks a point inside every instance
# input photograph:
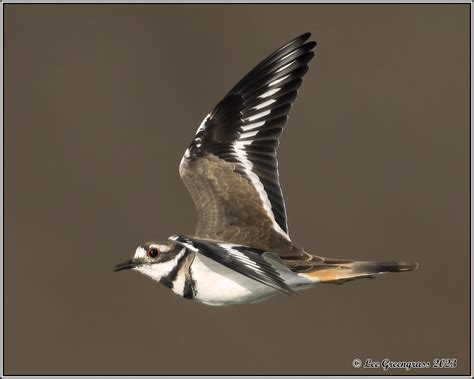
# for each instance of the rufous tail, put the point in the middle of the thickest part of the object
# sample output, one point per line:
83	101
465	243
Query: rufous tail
339	271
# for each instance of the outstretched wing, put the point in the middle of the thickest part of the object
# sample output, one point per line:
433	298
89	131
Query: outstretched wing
231	168
245	260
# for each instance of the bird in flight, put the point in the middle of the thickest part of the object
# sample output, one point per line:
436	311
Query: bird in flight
241	251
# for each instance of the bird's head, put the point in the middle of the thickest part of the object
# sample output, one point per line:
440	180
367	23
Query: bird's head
154	259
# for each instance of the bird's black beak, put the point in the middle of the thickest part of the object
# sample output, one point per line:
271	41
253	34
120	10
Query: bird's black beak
127	265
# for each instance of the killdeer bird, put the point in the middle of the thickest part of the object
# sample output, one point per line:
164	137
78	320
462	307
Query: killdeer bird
241	251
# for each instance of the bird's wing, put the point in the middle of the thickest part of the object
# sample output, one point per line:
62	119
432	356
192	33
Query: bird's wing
245	260
231	168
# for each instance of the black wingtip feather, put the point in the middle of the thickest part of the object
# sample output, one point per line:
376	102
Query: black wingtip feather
305	36
297	43
301	39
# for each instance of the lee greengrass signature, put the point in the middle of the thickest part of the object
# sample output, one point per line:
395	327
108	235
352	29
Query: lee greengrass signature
388	364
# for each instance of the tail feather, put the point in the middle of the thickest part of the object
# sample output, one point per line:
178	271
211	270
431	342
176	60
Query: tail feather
340	271
381	267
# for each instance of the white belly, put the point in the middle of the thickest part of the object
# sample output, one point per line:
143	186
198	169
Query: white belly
219	285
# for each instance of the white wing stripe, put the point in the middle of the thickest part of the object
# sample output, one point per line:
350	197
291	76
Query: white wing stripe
269	93
278	80
264	104
243	258
285	66
252	127
259	115
287	55
239	150
203	123
249	133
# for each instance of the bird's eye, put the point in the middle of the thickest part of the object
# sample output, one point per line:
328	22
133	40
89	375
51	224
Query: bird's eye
153	253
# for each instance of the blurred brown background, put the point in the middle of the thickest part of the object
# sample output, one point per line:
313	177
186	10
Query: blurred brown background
100	104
